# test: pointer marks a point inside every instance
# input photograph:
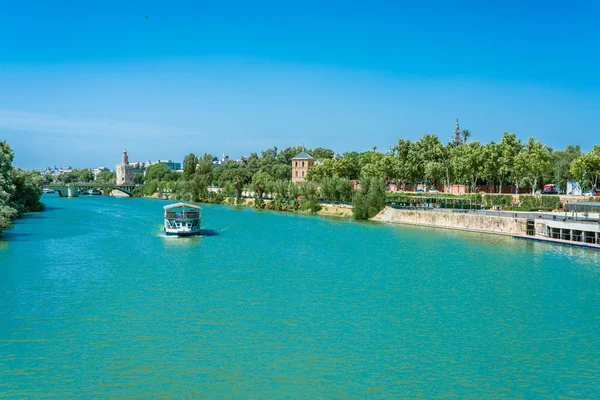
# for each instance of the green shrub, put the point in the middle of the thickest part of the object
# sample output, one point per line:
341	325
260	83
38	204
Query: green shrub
551	202
529	202
497	200
312	205
370	199
259	203
281	204
138	192
402	196
539	203
212	197
336	189
465	202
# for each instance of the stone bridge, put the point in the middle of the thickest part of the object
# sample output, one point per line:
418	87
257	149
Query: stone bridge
74	189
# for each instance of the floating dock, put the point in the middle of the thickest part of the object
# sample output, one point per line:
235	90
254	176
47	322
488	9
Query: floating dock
558	241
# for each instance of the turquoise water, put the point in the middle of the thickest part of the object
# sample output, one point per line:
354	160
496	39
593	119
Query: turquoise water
96	302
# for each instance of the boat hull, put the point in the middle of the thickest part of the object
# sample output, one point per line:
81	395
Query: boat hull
187	228
181	233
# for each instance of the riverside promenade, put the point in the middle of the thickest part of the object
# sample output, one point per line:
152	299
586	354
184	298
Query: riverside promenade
577	230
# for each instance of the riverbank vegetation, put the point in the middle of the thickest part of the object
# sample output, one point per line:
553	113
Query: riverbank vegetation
20	190
509	164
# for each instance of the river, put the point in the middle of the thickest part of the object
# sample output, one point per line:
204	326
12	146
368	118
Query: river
96	302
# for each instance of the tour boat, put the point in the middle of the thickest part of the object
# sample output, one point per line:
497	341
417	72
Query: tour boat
182	219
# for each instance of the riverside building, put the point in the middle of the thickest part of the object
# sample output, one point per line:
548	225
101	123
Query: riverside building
301	163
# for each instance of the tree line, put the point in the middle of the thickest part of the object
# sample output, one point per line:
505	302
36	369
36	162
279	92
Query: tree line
509	162
20	190
525	166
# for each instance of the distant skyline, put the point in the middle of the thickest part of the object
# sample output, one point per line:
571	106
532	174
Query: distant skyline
81	82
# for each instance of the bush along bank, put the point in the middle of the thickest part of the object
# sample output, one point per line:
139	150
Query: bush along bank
20	191
524	202
307	197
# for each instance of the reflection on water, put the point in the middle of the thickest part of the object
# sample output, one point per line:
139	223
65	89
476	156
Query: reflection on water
95	301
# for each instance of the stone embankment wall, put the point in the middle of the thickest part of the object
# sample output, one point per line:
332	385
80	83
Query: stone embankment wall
454	220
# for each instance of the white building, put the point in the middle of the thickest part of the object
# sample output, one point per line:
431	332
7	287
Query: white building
96	171
224	160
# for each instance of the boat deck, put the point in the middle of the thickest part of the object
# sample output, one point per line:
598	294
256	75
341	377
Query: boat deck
558	241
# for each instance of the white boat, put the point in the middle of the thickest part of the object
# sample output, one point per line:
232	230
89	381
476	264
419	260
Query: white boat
92	192
182	219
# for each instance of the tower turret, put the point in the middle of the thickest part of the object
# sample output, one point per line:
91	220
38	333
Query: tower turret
456	139
124	171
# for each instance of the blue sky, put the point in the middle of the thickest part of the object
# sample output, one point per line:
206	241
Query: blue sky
80	81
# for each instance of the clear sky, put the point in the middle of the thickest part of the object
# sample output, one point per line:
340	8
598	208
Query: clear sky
80	81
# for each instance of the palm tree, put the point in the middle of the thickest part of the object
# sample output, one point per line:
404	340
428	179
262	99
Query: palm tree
466	134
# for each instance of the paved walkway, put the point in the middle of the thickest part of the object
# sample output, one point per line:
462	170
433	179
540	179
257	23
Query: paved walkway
558	241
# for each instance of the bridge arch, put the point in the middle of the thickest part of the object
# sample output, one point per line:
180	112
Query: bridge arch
74	189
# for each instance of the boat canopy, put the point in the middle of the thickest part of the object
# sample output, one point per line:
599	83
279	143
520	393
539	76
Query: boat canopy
182	205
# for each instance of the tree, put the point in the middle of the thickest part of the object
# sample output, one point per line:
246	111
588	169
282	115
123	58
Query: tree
236	176
370	199
561	162
348	166
586	169
28	190
467	162
47	178
20	191
446	162
84	175
434	172
426	150
532	162
281	188
158	172
106	177
205	170
307	190
280	171
260	183
7	188
190	162
321	153
320	172
492	155
138	178
402	170
510	147
269	156
285	156
465	135
368	163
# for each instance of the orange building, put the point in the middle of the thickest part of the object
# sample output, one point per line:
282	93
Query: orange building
300	166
